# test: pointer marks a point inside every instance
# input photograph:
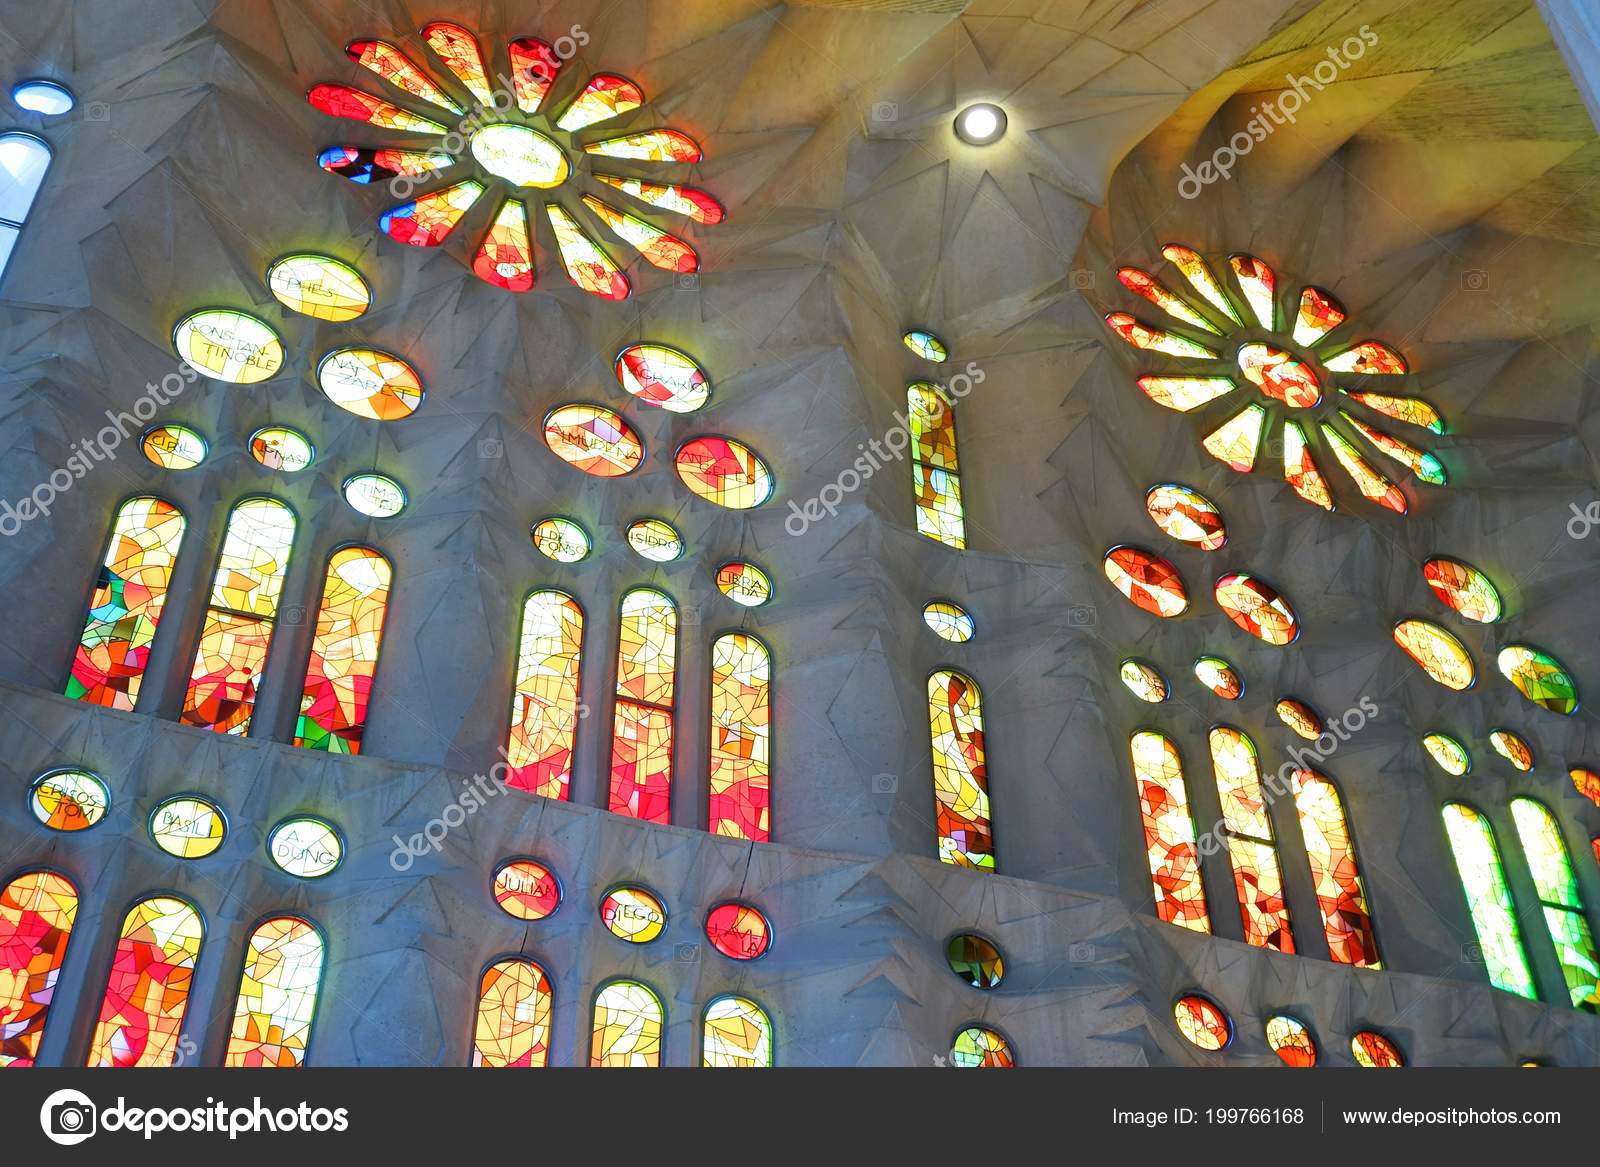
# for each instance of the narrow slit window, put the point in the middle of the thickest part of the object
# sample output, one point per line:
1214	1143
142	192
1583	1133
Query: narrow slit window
277	995
1341	894
1170	841
344	652
741	738
960	771
1494	914
1557	886
544	699
935	469
24	159
641	736
1252	850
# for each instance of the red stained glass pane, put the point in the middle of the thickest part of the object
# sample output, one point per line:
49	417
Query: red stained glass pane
534	65
1202	1022
960	771
399	70
341	101
513	1023
147	993
544	701
594	440
37	911
1319	315
458	50
1169	833
1341	895
527	890
505	257
739	931
659	249
607	95
1148	580
725	472
1257	608
741	739
427	221
649	146
1280	376
666	196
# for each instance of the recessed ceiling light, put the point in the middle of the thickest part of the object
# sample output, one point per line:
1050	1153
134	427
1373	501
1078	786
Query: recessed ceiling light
44	97
981	124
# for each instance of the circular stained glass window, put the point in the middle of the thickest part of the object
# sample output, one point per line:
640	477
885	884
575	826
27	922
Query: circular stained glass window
375	495
188	826
561	540
174	447
739	931
1291	1040
725	472
228	345
1375	1052
978	1047
306	846
527	890
975	960
280	448
633	913
1202	1022
744	583
655	539
69	799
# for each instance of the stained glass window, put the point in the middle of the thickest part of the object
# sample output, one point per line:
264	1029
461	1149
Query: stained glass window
375	495
534	65
1437	653
655	539
935	471
739	931
174	447
319	286
588	266
24	159
1143	680
239	623
1291	1040
1373	1051
1279	375
1494	915
513	1022
428	221
1247	827
1512	747
1202	1022
1169	832
606	96
1464	588
1586	782
949	621
141	1015
655	246
544	699
1341	894
663	376
649	146
633	913
741	738
977	1047
725	472
341	101
527	890
1187	515
306	847
126	606
1556	885
738	1035
744	583
561	539
690	201
37	911
593	439
628	1021
975	960
188	826
69	799
369	166
1539	677
1451	755
370	383
277	995
280	448
1220	677
926	345
399	70
641	740
960	771
1147	580
344	652
1300	717
505	257
1256	607
229	346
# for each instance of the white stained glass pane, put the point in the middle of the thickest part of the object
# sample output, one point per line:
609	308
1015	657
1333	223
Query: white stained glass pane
23	161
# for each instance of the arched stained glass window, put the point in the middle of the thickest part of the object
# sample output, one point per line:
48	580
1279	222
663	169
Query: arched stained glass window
641	737
935	471
741	738
738	1035
125	609
24	159
960	772
239	622
1494	915
344	652
978	1047
1557	887
1252	851
141	1016
1341	895
37	910
1169	834
513	1026
544	701
277	994
628	1022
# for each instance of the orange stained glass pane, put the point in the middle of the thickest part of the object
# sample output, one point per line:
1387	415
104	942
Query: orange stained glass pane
1319	315
513	1021
458	50
741	741
1169	832
341	101
607	95
960	771
1202	1022
1142	283
664	145
1147	580
141	1015
1341	895
399	70
593	439
1185	393
1201	278
659	249
505	257
587	265
628	1021
1236	441
544	700
428	221
1260	287
1256	607
1436	652
277	995
1258	880
641	751
667	196
1156	340
1300	470
725	472
344	652
37	911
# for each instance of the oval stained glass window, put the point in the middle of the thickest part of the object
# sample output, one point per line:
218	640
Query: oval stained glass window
1186	515
725	472
975	960
280	448
375	495
174	447
1375	1052
664	377
655	539
1513	748
1300	717
1289	1038
370	383
593	439
1147	580
188	826
744	583
1256	607
926	345
1143	680
306	847
228	345
739	931
949	621
319	286
1451	755
561	539
978	1047
526	889
1463	587
633	913
1220	677
68	799
1437	653
1586	782
1539	677
1202	1022
45	98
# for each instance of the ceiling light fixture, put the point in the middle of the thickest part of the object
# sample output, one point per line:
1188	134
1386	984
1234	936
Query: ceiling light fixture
981	124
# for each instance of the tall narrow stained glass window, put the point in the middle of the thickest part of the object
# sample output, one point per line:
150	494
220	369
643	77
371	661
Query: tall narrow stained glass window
239	622
1341	895
544	701
37	910
1557	888
628	1021
513	1025
741	738
935	471
147	993
1494	914
129	595
344	652
24	160
960	772
1252	851
277	994
738	1035
641	736
1169	835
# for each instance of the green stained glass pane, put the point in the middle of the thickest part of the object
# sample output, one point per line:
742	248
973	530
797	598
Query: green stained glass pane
1494	916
